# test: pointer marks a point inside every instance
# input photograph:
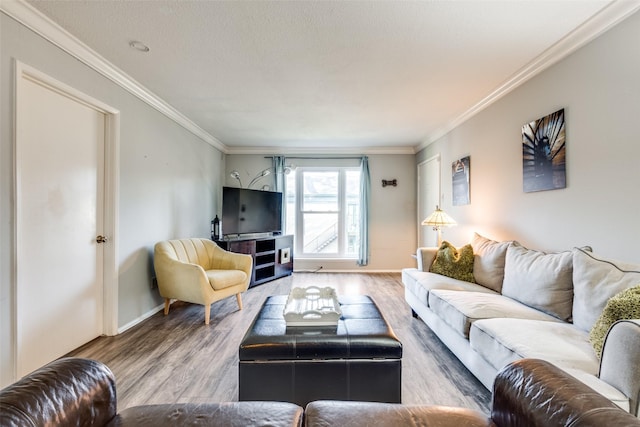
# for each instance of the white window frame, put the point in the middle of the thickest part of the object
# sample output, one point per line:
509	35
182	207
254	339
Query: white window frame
342	214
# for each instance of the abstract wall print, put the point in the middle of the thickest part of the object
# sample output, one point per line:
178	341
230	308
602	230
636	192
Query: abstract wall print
460	174
544	153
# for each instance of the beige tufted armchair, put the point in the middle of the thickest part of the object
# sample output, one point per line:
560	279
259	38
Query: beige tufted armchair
200	272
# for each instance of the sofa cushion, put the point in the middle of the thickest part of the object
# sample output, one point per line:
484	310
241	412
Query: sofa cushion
324	413
229	414
488	261
540	280
596	280
420	283
502	341
460	309
454	263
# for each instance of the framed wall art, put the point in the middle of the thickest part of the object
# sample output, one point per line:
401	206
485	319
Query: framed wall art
544	153
460	175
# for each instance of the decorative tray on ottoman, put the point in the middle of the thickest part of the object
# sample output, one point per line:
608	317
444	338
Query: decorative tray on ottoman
312	306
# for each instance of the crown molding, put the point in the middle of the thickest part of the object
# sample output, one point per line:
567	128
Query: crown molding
608	17
36	21
322	150
33	19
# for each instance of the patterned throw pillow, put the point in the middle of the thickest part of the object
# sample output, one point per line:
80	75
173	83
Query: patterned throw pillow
454	263
625	305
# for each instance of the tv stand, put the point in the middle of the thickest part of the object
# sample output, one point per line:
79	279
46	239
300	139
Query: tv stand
272	256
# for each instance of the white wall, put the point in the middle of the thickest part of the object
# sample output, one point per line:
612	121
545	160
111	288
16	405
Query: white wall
599	88
393	234
170	180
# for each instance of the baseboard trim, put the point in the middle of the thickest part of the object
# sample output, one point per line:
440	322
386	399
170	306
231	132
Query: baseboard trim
139	319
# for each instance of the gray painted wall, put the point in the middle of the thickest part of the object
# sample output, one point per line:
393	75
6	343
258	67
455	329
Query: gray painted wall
599	88
170	180
392	232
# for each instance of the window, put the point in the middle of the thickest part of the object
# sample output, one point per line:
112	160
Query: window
323	211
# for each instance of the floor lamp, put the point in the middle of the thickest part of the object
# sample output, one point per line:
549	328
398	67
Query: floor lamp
437	220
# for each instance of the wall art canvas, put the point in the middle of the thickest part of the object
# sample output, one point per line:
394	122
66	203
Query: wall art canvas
460	174
544	153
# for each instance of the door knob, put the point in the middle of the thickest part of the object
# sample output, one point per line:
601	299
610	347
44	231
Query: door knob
101	239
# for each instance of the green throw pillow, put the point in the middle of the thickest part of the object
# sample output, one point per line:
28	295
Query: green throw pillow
625	305
454	263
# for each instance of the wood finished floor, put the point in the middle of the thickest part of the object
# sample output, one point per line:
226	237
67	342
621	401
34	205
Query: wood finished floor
178	358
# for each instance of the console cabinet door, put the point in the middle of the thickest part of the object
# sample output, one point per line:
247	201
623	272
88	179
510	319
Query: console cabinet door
284	256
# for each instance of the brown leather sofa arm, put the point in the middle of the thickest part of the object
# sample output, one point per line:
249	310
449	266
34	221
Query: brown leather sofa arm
82	392
532	392
66	392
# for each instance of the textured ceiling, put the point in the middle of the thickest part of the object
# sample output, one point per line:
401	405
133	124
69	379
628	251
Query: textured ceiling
321	75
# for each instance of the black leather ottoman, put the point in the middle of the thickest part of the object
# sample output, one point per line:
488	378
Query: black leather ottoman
360	359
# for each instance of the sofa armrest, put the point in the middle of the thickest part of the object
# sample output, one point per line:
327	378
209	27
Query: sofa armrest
425	257
227	260
620	361
66	392
536	393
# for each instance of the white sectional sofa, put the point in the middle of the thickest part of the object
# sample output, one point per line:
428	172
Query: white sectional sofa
530	304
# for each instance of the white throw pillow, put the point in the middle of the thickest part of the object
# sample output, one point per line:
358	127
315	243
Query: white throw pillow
595	280
540	280
488	263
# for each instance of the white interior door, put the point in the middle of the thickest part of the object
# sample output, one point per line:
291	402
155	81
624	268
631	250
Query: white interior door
59	213
428	198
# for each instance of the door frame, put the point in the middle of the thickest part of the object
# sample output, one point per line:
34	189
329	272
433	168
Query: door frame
111	196
421	194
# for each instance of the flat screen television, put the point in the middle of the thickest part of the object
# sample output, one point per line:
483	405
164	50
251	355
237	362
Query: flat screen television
247	211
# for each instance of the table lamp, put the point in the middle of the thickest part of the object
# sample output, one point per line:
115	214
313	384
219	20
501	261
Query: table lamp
437	220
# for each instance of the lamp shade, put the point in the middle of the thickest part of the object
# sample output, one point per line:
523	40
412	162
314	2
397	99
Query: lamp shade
236	175
439	219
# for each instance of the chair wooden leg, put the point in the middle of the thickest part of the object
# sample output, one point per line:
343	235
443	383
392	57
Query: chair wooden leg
207	313
167	303
239	298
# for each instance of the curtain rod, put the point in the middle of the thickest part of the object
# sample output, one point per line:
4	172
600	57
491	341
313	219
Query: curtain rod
319	158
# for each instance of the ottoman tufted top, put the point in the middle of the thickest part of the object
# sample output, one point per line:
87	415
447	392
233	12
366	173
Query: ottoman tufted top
361	333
